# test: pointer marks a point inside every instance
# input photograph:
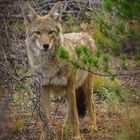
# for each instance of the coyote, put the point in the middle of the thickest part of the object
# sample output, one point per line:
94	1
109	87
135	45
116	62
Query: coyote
43	37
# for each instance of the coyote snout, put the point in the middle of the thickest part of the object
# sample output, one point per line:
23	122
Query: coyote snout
43	37
46	46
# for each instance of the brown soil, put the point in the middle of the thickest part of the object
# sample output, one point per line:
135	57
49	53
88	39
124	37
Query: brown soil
108	123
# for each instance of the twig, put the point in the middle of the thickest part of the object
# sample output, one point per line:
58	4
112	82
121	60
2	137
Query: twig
108	75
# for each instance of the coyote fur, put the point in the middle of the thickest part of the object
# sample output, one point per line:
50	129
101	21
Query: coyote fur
43	37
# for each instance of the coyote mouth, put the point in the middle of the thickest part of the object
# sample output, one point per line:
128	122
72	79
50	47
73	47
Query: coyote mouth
44	50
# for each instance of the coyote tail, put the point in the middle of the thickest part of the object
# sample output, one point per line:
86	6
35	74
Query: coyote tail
81	102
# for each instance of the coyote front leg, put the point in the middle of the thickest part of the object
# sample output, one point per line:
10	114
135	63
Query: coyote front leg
45	101
72	109
45	108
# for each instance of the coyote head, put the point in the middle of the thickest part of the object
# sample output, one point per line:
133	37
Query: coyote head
43	32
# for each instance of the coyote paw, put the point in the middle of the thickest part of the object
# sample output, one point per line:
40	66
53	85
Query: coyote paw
93	128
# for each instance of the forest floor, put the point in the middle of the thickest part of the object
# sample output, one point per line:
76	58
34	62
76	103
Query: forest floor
111	123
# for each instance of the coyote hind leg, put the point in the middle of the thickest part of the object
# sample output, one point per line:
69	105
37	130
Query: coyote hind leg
91	107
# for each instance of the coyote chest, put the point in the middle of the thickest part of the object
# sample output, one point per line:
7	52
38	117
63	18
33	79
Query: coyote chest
54	72
50	69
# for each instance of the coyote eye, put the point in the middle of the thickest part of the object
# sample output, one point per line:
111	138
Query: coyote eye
37	32
51	32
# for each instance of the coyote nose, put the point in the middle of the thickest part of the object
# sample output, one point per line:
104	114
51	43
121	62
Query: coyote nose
46	46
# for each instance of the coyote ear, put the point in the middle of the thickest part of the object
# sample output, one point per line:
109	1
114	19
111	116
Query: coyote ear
29	13
56	12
